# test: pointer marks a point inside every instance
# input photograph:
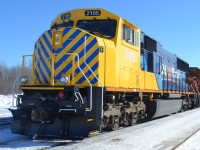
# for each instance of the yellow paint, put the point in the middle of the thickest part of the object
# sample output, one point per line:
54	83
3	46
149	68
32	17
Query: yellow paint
119	63
41	88
89	120
57	39
150	81
93	132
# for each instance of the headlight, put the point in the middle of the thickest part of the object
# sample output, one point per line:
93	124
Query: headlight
57	43
64	79
24	79
57	35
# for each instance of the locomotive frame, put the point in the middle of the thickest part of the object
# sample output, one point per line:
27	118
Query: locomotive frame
94	70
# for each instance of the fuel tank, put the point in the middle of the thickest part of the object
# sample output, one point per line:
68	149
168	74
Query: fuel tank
161	107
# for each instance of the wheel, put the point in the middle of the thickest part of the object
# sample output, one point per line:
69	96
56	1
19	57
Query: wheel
185	107
115	126
132	122
114	123
126	119
132	119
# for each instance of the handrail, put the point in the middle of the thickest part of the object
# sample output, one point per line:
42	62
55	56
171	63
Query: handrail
90	108
91	93
77	93
21	73
52	69
32	69
13	92
85	40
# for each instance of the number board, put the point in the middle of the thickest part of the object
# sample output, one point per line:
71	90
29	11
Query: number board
92	13
66	16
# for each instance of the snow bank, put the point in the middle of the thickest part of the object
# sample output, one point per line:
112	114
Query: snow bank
6	101
4	113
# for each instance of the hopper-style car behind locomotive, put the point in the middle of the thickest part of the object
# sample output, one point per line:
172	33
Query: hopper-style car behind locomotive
94	70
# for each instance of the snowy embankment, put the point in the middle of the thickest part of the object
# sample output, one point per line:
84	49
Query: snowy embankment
165	133
161	134
5	103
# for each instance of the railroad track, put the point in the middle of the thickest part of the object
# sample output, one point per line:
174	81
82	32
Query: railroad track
185	139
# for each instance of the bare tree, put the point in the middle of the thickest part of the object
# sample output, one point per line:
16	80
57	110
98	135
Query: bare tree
7	77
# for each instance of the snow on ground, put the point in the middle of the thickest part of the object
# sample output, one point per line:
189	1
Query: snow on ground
9	141
5	113
5	103
162	134
191	144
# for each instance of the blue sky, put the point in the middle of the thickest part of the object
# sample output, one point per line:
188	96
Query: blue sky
174	23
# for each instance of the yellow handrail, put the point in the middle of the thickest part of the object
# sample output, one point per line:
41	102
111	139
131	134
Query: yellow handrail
33	64
52	69
32	67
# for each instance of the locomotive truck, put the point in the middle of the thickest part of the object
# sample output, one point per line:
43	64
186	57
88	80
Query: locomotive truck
94	70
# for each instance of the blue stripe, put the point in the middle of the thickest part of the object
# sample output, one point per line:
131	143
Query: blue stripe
36	47
88	47
44	63
94	80
88	73
81	41
50	33
58	63
63	72
44	50
88	60
47	42
66	31
69	40
37	75
43	75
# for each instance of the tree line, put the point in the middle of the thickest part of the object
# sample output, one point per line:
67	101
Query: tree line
8	76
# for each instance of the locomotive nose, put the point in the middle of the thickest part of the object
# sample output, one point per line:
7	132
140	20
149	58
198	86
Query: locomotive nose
60	51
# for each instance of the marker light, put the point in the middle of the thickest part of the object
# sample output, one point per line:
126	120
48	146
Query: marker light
24	79
61	94
57	43
57	35
64	79
57	39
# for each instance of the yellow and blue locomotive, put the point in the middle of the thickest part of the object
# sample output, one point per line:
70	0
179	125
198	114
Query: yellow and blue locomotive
93	70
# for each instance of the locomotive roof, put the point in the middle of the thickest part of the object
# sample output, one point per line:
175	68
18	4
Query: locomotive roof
90	13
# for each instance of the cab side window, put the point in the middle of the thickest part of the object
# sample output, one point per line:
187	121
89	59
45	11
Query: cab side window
137	38
127	34
130	35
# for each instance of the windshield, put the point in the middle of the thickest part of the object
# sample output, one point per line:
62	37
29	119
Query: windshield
64	24
103	28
